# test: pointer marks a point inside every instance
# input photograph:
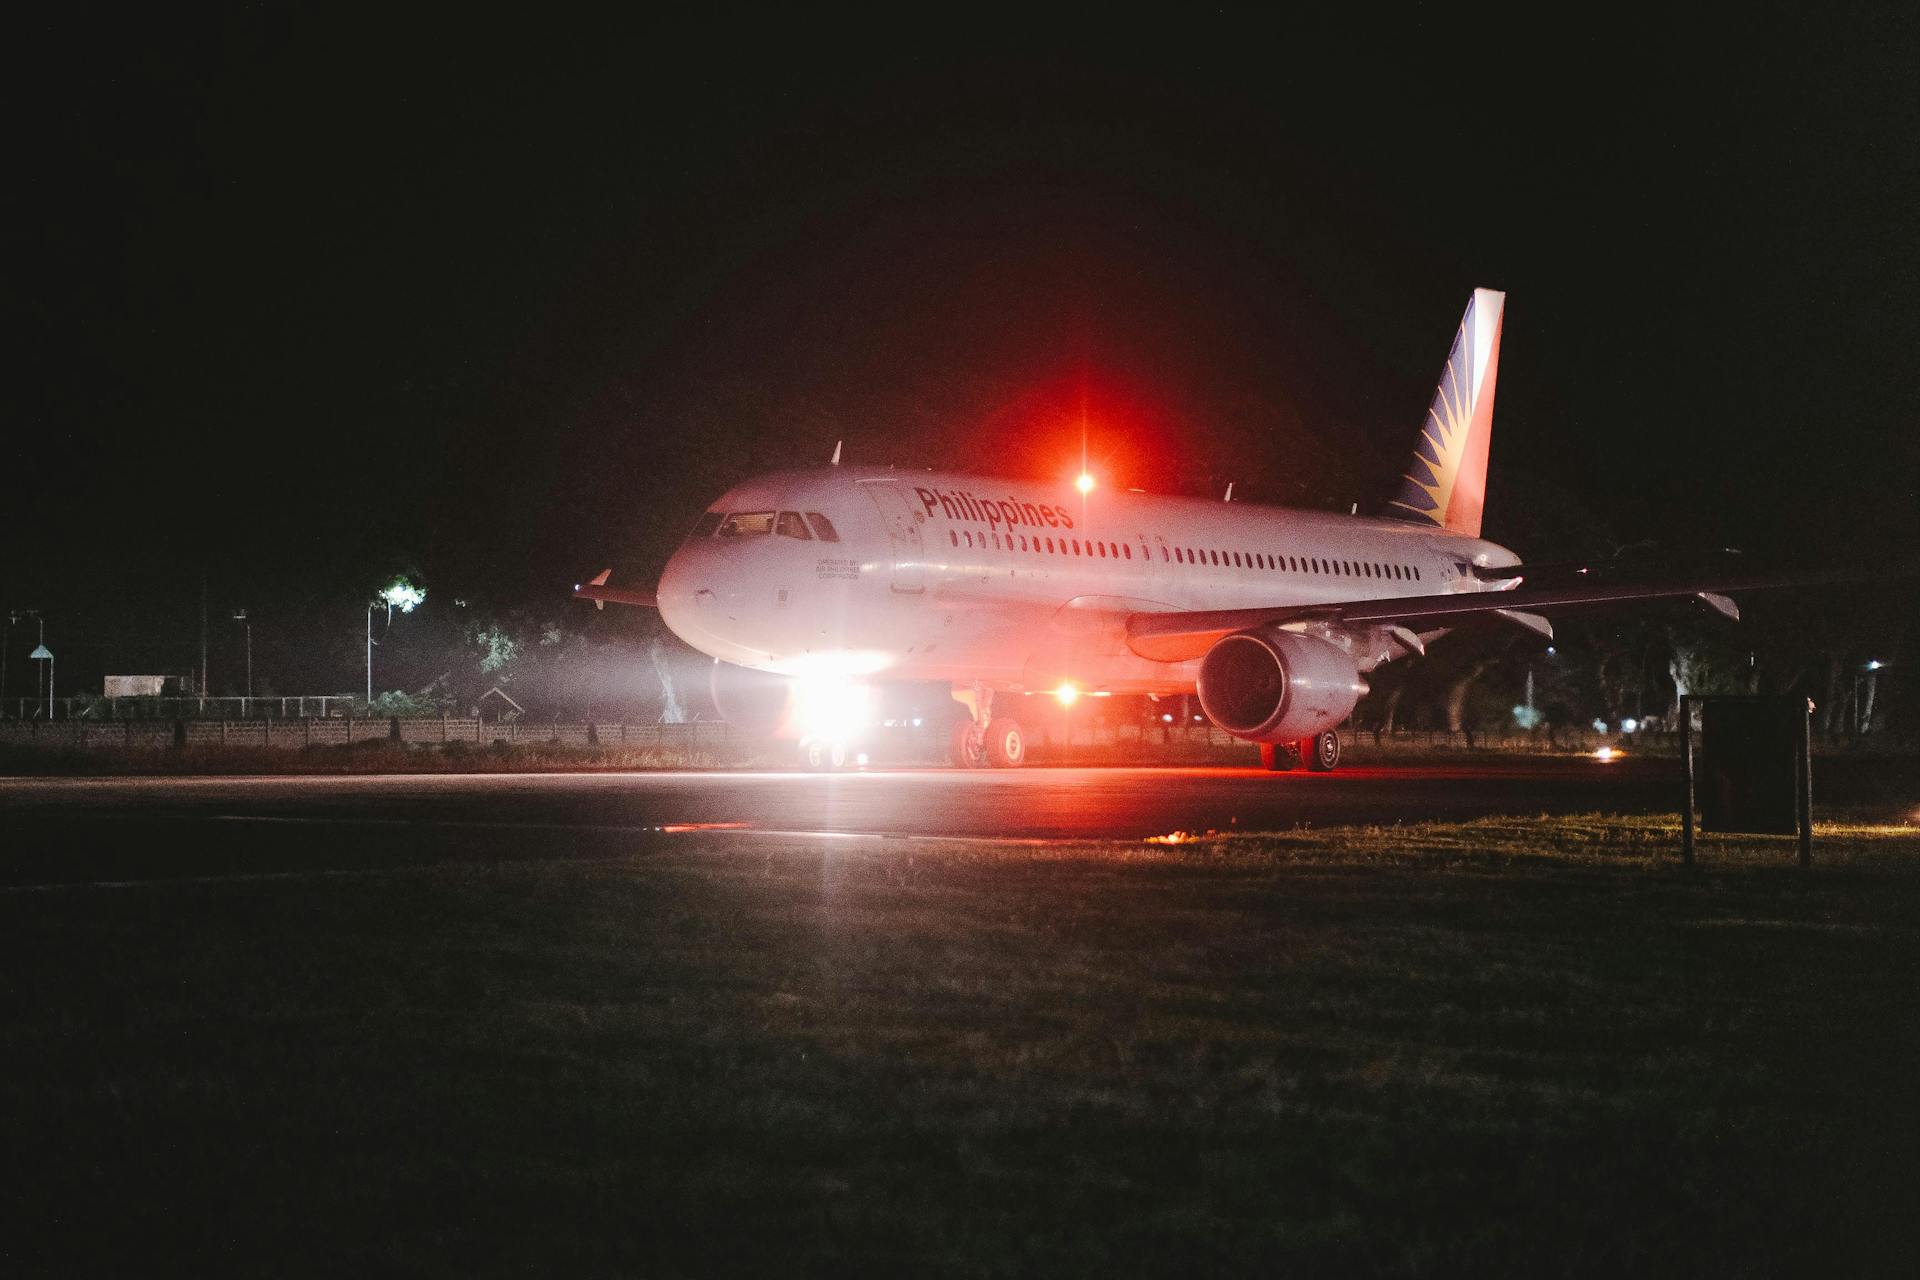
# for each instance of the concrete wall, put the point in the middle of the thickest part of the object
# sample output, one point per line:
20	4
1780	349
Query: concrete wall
160	734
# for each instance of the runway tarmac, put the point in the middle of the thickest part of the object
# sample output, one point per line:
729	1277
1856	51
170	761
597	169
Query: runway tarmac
1045	803
92	829
68	830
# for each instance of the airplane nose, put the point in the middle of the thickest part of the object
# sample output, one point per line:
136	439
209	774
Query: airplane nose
679	583
691	596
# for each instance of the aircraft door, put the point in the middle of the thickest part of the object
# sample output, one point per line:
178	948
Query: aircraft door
903	533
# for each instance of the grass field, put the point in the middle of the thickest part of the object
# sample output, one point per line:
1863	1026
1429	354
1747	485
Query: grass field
1506	1046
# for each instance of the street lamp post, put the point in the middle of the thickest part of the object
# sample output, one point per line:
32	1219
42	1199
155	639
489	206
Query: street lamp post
399	594
240	616
13	620
43	654
40	649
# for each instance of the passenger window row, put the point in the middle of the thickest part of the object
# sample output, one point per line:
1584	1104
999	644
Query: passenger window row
1038	545
1189	555
811	525
1294	564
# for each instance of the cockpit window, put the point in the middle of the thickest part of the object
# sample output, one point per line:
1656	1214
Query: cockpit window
706	524
792	526
822	527
742	524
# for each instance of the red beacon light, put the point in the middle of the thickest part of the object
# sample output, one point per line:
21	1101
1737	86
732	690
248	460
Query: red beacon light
1085	482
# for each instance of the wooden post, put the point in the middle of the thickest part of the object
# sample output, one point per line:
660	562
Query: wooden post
1686	767
1803	787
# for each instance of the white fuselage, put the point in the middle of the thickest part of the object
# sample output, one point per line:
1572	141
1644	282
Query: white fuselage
1015	585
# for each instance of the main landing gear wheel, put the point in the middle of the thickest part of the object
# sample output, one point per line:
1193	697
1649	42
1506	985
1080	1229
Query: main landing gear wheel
1006	745
1278	757
1322	751
967	746
820	755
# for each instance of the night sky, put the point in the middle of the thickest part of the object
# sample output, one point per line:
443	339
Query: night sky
300	300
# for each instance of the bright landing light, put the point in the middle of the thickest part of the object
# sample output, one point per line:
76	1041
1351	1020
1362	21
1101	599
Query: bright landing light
830	708
1085	483
1068	693
1607	753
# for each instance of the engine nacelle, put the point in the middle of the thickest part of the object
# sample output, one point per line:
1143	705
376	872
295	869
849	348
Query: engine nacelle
756	701
1269	685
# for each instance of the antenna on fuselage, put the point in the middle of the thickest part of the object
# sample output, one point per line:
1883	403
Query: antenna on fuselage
1229	497
836	453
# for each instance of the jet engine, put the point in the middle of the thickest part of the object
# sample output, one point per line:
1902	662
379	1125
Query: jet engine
756	701
1269	685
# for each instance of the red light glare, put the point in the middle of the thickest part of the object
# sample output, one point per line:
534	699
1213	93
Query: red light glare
1085	483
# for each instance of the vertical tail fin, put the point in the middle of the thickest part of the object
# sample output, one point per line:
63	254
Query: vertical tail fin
1446	481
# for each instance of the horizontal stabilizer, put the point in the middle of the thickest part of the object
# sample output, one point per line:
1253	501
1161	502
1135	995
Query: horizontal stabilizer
1531	621
1720	605
603	595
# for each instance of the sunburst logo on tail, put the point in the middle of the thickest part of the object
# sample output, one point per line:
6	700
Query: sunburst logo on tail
1446	481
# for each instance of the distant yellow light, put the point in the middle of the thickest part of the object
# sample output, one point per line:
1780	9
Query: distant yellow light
1085	483
1068	693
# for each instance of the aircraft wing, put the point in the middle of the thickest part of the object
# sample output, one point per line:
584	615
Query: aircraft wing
603	595
1177	637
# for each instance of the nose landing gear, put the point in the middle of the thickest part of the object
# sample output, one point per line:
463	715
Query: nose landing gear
820	754
983	738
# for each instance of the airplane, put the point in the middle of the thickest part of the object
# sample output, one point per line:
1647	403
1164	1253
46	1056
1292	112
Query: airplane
829	578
